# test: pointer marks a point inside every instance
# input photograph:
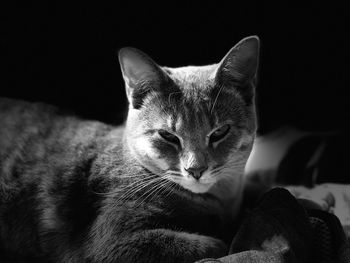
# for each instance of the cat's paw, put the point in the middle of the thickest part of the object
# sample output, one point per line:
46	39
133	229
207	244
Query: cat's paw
211	247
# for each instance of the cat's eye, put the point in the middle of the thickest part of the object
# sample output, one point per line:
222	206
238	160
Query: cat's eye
219	133
169	137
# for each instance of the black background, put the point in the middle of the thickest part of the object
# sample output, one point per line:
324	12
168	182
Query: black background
65	54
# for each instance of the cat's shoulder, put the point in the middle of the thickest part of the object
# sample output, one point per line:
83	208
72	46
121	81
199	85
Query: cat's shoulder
18	107
19	116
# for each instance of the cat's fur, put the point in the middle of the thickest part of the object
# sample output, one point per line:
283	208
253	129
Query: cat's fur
73	190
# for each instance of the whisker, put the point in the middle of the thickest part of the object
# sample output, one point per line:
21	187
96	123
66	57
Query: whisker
177	174
135	175
216	98
151	186
172	187
228	167
127	186
152	189
157	191
133	190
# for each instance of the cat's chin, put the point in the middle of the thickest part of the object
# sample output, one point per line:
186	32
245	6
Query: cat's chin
196	187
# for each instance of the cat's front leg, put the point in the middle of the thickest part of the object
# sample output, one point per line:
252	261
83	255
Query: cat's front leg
158	245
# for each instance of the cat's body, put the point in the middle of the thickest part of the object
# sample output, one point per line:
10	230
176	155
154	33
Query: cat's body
73	190
51	206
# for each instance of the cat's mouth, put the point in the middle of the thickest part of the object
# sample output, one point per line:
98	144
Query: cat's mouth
197	186
201	185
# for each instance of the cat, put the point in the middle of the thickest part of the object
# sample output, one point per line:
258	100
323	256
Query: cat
164	187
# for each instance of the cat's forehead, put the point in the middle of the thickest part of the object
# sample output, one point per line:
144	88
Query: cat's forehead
196	101
192	76
192	117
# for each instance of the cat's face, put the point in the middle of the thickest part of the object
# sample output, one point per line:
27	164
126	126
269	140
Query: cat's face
193	125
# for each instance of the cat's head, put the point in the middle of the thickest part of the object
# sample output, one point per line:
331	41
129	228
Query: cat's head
194	125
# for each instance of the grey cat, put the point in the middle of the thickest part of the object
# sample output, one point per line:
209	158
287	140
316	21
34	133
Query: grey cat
166	187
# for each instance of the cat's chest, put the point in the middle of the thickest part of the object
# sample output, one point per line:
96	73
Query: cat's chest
199	216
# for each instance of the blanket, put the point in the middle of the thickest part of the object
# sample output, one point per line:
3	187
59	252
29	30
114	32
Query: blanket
311	165
281	228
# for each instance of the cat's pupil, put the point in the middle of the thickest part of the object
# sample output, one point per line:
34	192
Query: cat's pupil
169	137
219	133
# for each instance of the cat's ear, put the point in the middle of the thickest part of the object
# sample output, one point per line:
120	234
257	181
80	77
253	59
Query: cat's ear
140	73
240	64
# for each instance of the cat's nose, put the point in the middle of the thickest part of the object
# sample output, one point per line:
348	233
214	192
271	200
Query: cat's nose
196	172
